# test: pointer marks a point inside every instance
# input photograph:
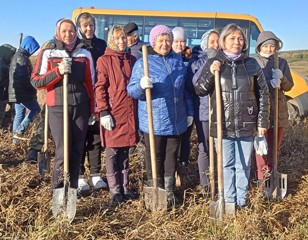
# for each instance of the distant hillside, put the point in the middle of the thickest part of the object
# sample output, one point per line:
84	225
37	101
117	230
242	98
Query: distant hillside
298	60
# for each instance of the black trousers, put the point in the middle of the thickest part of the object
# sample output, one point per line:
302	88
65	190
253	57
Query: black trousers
93	150
185	144
166	152
77	127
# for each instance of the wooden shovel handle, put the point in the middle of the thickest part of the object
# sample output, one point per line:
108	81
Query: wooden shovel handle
150	116
46	129
211	153
219	134
65	124
275	148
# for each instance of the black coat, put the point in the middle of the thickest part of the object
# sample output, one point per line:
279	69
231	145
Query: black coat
20	88
6	53
245	95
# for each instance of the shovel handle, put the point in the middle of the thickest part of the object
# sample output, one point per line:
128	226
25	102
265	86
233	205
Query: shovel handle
65	125
150	116
275	148
219	135
20	39
211	152
46	129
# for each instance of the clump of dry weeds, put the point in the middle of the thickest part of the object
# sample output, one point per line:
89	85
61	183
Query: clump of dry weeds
25	204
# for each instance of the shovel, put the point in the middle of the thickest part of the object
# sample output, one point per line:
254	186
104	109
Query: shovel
276	185
155	198
219	208
64	199
212	162
43	157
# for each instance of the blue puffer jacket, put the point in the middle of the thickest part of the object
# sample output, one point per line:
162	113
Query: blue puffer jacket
171	102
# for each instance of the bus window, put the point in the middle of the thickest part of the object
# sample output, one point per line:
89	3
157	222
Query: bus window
194	27
254	33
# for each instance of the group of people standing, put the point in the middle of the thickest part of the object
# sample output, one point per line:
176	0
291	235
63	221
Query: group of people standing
108	110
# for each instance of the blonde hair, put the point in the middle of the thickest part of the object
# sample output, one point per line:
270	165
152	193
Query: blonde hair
229	29
116	30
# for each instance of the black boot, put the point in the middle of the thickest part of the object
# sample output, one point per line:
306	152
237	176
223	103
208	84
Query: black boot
114	187
32	156
127	193
170	186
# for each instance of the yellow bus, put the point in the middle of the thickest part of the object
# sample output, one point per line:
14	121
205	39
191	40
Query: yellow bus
195	24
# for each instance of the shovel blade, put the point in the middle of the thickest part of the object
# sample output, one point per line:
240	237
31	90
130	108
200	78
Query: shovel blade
64	203
155	199
220	207
279	191
43	163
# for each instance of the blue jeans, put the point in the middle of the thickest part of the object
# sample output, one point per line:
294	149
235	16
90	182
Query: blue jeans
236	168
21	119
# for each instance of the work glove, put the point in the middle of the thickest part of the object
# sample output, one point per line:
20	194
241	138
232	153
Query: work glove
275	82
92	120
260	145
65	66
146	82
107	122
277	73
190	120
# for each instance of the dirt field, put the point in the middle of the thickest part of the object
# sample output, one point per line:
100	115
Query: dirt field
25	203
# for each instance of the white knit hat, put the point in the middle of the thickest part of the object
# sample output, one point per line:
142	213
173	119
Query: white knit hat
179	33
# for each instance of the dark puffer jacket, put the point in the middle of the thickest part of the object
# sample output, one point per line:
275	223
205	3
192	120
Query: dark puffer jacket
267	64
245	95
20	88
6	53
201	104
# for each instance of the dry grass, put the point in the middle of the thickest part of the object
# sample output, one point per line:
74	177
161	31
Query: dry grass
25	204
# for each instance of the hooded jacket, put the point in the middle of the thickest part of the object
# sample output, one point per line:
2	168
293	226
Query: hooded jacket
201	104
244	93
20	88
267	64
6	53
114	69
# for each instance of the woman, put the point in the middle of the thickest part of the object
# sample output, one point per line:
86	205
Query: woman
85	24
245	108
65	55
207	49
171	105
179	47
118	112
267	44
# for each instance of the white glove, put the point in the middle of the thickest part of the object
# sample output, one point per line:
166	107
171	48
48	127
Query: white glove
275	82
260	145
65	66
146	82
277	73
107	122
91	120
190	120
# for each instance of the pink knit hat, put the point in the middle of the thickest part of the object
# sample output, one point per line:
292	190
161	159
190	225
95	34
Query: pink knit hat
159	30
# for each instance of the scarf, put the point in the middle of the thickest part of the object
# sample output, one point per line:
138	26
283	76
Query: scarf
70	46
232	56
